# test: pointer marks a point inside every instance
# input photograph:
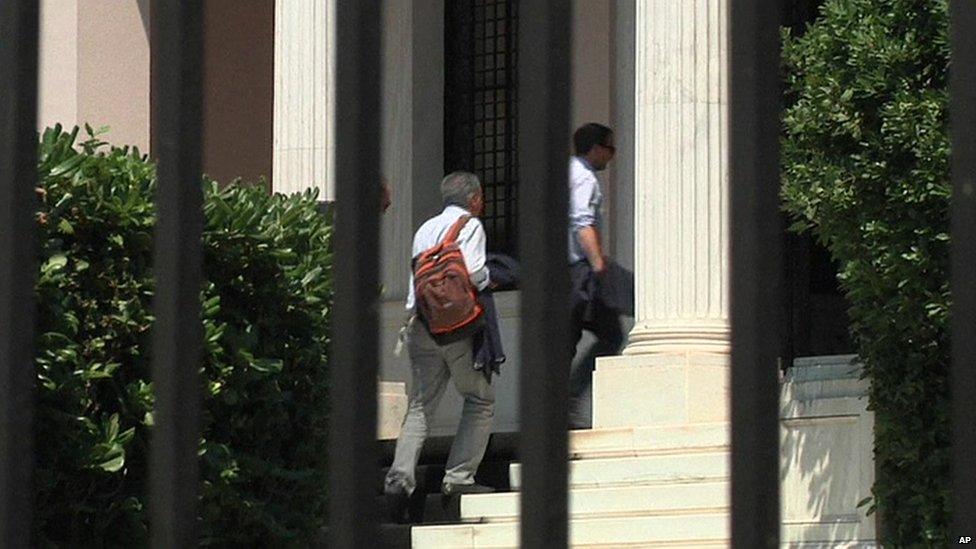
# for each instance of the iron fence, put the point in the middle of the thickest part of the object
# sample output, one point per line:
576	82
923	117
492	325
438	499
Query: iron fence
355	350
756	275
177	343
18	149
544	128
962	127
753	124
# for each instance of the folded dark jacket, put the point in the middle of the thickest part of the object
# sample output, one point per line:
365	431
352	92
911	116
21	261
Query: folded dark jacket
488	351
613	290
503	271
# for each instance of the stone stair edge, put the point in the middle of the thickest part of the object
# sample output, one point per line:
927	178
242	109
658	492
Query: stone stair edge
690	479
392	387
649	440
826	360
641	470
690	511
625	500
491	533
819	390
822	408
627	362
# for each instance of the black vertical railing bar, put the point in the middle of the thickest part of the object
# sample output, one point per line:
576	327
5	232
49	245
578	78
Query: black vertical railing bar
755	277
177	342
353	450
544	136
962	126
18	273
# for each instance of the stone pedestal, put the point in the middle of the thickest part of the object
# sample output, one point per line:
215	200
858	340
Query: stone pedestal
660	389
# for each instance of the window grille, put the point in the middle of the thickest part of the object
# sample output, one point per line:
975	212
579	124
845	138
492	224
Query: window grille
480	108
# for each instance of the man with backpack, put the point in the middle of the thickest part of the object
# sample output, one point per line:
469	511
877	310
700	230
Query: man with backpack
448	271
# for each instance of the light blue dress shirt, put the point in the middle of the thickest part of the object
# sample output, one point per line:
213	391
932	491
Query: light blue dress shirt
585	203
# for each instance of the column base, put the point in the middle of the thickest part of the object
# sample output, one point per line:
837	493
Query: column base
661	389
707	338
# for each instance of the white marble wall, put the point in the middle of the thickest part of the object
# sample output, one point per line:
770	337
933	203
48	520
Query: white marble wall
826	454
304	97
397	146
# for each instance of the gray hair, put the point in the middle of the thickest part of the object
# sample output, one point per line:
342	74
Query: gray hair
458	188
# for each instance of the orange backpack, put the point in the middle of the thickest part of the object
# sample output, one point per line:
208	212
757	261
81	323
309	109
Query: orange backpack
446	299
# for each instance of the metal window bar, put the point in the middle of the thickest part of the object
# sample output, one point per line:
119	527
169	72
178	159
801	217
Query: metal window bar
353	449
177	343
18	169
962	125
544	381
756	275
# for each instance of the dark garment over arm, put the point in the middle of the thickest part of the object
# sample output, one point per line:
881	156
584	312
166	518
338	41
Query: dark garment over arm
614	290
488	350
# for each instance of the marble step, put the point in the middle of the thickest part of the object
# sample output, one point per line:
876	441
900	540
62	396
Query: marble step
816	389
611	501
638	441
653	469
687	530
428	478
388	536
704	530
814	368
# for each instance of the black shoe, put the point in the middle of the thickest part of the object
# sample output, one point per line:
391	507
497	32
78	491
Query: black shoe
450	489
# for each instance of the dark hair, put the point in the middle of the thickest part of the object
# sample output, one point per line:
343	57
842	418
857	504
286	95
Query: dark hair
590	135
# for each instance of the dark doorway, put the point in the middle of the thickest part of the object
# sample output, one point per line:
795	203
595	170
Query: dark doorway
480	107
817	319
816	307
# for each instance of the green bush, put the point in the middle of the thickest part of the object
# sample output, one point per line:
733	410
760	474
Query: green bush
266	303
865	166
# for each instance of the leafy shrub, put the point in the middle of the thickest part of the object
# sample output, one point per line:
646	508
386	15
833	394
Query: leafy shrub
865	166
266	302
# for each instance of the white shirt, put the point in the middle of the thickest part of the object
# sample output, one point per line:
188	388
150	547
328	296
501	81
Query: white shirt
585	201
471	241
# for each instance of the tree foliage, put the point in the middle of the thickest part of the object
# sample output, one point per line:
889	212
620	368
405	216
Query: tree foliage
865	166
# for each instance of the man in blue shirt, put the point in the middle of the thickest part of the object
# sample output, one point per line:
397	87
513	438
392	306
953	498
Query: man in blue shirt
589	265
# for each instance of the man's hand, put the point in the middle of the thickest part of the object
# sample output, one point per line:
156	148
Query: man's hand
599	266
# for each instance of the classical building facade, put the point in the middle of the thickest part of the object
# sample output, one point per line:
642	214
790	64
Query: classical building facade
655	70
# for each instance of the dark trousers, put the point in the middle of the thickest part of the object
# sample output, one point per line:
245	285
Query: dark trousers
591	313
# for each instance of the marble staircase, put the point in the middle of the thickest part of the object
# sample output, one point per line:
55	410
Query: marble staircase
665	482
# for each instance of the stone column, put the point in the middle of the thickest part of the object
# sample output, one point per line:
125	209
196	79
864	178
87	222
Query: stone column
304	97
678	350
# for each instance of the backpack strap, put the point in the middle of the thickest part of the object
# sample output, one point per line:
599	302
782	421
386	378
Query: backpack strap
455	231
